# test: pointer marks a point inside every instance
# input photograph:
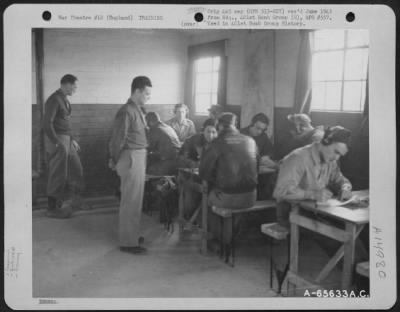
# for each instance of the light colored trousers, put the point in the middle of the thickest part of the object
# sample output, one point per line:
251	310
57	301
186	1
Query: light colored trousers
131	168
65	169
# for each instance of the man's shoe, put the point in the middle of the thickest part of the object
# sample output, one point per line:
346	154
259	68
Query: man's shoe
133	250
214	246
58	213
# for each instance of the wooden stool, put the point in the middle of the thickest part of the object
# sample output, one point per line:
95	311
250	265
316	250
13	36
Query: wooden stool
362	280
169	226
227	215
274	231
362	268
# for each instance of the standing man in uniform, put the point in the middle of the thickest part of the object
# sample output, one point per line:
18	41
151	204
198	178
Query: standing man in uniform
65	168
128	156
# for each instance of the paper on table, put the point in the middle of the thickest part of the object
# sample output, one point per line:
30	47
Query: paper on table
333	202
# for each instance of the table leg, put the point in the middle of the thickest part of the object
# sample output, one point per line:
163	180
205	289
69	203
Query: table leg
181	206
334	260
204	215
349	256
294	242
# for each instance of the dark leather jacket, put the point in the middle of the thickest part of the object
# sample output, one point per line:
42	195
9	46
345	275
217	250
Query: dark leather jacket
230	163
163	142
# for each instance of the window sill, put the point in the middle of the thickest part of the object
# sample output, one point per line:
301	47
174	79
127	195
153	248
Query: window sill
335	111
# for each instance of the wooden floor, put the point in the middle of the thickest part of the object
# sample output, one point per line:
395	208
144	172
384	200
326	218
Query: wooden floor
79	258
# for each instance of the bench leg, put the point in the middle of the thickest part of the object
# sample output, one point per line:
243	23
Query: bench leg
225	236
270	262
221	237
232	249
280	275
228	240
286	267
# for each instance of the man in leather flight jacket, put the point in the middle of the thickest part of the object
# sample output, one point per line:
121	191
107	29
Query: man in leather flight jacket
230	168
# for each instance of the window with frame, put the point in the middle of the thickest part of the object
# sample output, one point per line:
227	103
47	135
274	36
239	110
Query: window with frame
339	69
206	78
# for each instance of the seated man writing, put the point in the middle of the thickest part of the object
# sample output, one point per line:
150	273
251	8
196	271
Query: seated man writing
312	173
163	147
230	167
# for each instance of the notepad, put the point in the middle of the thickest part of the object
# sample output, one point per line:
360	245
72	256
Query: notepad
334	202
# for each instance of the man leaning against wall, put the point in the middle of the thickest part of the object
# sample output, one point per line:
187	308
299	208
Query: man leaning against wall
65	169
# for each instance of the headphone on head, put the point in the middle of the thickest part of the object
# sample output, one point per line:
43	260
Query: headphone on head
336	134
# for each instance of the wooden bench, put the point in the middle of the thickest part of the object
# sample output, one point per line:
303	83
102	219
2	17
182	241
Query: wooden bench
227	215
279	233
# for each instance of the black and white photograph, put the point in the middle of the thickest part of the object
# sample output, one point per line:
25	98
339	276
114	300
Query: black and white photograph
202	163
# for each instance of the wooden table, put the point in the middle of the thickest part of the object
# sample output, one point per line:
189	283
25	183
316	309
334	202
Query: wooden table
354	221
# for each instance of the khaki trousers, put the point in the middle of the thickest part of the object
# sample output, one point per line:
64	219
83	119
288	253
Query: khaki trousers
65	169
131	168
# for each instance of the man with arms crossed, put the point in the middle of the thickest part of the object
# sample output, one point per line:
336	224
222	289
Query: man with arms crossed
128	155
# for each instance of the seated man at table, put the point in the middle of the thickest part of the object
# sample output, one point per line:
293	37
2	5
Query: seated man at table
312	173
194	147
190	155
302	133
215	111
183	126
163	147
257	130
230	167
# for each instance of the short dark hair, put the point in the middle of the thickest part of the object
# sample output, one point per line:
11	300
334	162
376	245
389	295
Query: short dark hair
227	120
261	117
140	82
209	122
180	105
153	117
336	134
68	78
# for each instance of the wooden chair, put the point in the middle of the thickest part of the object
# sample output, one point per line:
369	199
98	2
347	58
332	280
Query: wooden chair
276	232
228	215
